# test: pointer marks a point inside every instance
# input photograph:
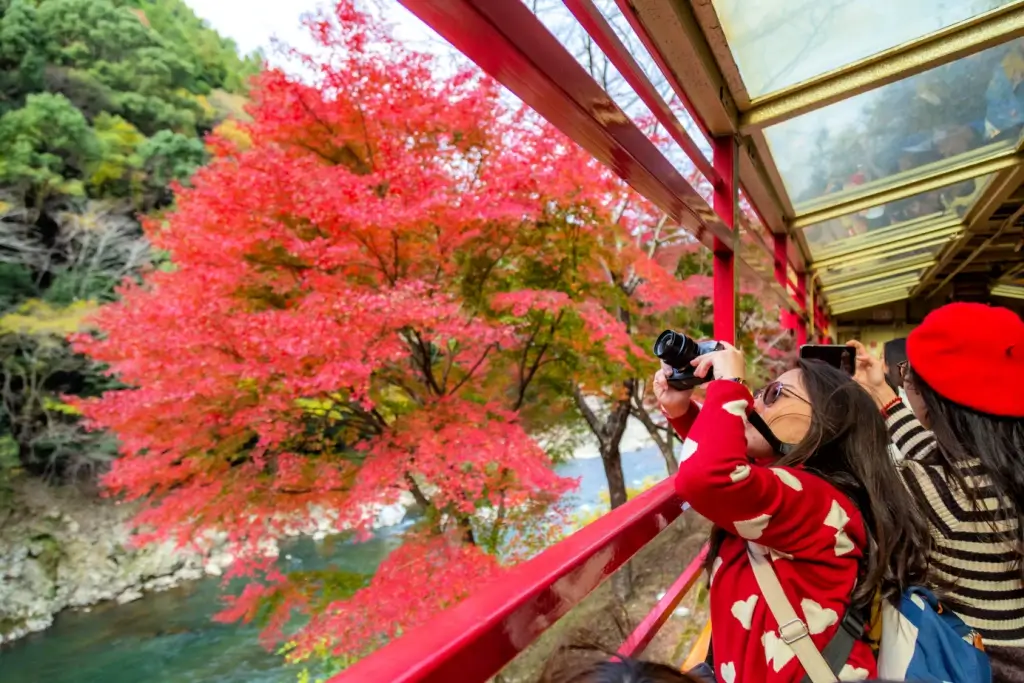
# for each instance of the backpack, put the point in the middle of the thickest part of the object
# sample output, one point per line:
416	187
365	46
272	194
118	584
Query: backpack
921	640
925	641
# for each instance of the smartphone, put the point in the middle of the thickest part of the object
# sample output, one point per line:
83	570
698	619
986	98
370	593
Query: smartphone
836	355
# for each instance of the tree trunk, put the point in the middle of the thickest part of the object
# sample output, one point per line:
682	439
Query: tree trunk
611	458
609	437
611	441
664	442
668	452
609	433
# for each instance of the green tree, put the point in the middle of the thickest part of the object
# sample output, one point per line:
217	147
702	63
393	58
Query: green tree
48	145
117	170
167	157
103	103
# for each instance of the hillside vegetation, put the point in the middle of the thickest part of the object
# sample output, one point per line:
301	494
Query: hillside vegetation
103	106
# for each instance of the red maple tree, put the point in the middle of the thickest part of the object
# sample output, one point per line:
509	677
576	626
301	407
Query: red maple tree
369	280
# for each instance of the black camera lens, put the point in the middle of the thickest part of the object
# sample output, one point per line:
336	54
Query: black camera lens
676	350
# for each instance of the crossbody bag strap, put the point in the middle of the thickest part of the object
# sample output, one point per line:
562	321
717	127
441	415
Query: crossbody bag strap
792	629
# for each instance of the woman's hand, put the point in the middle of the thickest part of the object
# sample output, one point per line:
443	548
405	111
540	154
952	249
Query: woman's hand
727	363
674	402
870	374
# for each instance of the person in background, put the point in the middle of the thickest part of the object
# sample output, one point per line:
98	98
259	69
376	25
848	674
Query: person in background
829	515
894	355
964	462
586	664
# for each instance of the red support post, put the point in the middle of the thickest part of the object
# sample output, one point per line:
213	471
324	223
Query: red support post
788	319
780	259
821	323
801	295
638	641
725	201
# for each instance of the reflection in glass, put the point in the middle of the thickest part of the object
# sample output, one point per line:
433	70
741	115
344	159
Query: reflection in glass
963	111
887	263
778	43
754	252
904	216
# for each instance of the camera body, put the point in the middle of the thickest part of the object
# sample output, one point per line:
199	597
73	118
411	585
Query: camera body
677	351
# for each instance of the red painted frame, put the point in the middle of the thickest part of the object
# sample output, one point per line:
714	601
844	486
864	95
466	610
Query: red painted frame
725	204
475	639
507	41
638	641
594	23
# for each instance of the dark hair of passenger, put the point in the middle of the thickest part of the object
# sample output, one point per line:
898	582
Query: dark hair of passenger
585	664
894	352
963	434
847	444
592	664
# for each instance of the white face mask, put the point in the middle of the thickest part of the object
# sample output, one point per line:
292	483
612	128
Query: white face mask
903	396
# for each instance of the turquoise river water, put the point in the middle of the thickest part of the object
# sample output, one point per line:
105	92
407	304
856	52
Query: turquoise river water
169	637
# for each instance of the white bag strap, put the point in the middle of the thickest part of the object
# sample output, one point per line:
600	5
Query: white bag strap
792	629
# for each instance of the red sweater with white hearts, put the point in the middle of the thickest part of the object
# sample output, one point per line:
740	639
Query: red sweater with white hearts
812	532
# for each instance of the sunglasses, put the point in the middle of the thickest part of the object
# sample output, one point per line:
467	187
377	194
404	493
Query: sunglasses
772	391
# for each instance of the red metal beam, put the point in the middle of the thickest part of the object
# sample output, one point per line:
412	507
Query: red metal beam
511	44
594	23
478	637
724	269
638	641
629	13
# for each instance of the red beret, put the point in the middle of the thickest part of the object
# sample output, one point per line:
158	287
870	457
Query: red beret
973	355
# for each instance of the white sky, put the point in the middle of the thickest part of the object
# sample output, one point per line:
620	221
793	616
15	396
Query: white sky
253	23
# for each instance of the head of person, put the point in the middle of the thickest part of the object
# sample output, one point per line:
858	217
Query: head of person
597	666
963	377
834	430
894	355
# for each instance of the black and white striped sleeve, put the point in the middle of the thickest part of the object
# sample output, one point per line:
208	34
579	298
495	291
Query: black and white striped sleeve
913	441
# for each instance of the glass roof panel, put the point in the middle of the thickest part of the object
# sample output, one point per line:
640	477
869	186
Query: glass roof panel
954	114
870	301
880	286
779	43
889	262
917	214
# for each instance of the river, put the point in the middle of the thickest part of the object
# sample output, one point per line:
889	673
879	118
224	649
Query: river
169	637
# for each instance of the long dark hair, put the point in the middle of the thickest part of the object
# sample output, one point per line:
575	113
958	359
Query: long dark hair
586	664
962	435
847	444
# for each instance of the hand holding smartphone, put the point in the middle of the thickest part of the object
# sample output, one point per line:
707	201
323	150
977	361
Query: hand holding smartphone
836	355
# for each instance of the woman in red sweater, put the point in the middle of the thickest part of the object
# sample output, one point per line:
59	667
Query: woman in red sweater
830	514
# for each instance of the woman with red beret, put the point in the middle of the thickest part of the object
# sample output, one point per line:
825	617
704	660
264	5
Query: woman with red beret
963	450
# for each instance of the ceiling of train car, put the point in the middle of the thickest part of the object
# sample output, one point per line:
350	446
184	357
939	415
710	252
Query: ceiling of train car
883	139
898	183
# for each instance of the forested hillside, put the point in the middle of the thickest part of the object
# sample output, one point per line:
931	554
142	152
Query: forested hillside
103	105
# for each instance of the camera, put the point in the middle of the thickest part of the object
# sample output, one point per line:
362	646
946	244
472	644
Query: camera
677	351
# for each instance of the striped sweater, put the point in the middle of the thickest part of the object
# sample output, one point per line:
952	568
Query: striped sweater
967	551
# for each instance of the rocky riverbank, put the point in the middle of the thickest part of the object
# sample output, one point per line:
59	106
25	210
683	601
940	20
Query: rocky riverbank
66	547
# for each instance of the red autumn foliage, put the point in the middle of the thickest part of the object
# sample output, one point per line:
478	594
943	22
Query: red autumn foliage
365	285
